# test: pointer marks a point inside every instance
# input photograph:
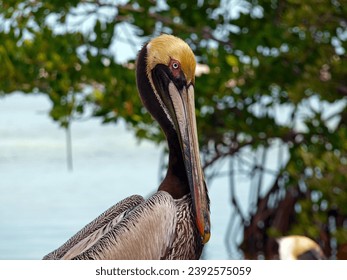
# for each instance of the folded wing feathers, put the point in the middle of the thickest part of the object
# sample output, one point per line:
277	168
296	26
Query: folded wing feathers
132	229
100	222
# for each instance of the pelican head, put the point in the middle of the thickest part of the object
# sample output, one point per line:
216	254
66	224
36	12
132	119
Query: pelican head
297	247
165	74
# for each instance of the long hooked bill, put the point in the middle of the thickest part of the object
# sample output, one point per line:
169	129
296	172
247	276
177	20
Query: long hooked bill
185	123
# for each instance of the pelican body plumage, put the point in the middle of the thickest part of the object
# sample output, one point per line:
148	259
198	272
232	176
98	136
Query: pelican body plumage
174	223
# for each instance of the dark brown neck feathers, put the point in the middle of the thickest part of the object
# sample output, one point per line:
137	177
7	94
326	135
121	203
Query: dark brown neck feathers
175	181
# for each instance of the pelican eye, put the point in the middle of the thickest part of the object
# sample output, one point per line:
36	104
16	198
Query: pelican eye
175	65
175	68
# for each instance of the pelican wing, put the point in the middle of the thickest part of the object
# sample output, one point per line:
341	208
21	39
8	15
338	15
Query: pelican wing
110	216
144	232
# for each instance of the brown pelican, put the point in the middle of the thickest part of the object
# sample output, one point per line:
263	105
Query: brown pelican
174	223
296	247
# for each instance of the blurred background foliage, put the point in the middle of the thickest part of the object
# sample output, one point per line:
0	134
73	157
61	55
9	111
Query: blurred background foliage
271	95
